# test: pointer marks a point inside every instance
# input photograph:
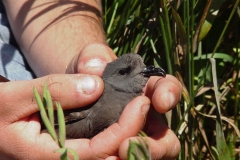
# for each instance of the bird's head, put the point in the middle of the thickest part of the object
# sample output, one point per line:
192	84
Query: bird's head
129	74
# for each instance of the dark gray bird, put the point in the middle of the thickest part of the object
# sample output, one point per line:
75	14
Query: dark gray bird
123	79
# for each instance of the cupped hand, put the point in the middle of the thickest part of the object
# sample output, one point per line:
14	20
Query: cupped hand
21	136
164	94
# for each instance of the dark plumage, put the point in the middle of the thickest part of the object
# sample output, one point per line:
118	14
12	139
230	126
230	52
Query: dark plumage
123	79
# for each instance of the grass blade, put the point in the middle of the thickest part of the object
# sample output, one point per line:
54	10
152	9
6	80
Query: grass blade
220	139
49	106
44	116
61	124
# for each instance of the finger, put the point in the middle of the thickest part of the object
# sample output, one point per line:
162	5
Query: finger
92	60
164	92
75	90
25	140
113	158
129	124
165	148
162	142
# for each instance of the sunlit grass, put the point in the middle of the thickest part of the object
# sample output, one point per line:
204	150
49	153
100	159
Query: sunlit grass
46	110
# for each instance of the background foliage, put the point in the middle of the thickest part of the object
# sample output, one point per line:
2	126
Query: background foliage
198	41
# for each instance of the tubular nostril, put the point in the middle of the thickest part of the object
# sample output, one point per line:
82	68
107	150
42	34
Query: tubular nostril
152	71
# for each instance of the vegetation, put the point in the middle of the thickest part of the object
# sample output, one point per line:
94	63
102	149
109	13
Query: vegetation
198	41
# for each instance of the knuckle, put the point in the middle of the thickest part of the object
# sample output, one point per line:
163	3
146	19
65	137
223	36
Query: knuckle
54	86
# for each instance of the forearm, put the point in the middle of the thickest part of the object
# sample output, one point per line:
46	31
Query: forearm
50	33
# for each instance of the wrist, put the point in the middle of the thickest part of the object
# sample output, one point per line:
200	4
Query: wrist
51	33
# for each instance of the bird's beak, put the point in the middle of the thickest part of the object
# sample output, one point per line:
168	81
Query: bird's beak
152	71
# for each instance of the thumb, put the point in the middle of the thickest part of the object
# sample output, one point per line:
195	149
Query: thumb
91	60
75	90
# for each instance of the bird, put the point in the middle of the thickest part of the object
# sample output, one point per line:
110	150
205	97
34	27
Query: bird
124	79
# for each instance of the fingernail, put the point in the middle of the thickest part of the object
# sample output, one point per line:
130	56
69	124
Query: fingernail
171	99
145	110
95	63
87	85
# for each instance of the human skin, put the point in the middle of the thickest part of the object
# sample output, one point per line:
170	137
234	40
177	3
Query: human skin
50	33
53	44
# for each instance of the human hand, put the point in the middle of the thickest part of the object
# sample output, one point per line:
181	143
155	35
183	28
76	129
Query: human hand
91	60
164	94
21	136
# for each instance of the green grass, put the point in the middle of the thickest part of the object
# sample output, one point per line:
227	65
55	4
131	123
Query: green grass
47	116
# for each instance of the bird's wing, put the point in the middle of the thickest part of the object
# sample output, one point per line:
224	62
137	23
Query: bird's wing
76	114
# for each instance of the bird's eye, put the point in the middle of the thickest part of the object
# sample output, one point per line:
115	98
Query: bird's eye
122	72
